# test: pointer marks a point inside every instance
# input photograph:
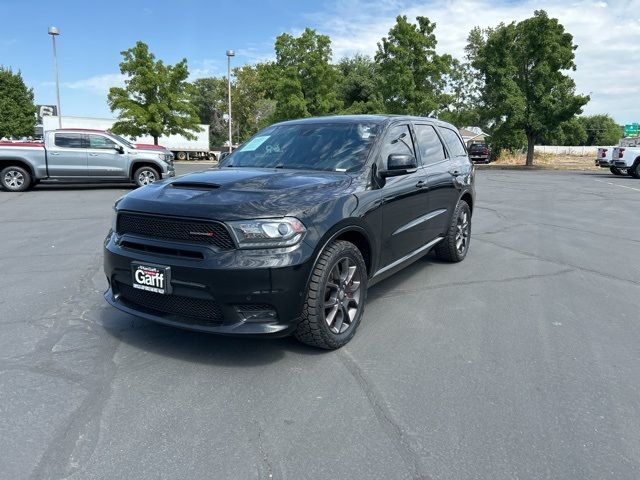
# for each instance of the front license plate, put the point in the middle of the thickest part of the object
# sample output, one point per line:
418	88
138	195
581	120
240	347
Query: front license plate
153	278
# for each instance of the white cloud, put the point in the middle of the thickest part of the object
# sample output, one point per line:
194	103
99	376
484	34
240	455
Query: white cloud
607	35
98	84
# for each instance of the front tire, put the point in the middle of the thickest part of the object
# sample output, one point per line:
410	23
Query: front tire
455	245
15	179
335	298
145	176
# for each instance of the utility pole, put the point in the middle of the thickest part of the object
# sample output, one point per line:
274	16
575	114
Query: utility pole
54	32
230	53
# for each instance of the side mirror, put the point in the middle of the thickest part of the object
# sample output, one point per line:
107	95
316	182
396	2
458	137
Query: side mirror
119	149
223	155
399	164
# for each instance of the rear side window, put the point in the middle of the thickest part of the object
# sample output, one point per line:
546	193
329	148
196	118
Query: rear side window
69	140
456	148
99	141
429	144
397	140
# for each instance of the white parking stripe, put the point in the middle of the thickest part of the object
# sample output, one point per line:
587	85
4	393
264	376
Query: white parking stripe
615	184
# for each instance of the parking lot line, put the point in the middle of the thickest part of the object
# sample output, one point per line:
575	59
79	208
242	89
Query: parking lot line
617	185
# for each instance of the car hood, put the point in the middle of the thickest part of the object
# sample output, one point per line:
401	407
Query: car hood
239	193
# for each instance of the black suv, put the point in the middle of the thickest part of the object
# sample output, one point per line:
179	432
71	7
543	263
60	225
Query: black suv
285	236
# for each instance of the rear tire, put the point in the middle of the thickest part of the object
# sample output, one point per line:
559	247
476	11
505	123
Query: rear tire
335	299
15	179
616	171
455	245
145	176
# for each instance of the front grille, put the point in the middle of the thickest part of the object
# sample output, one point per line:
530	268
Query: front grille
195	311
170	228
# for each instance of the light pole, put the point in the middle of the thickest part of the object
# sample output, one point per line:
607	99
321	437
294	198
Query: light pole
230	53
53	31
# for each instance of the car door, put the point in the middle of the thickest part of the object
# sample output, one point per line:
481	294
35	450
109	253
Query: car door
438	166
104	158
67	155
404	199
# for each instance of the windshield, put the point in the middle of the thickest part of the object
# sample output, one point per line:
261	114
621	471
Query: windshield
122	140
341	147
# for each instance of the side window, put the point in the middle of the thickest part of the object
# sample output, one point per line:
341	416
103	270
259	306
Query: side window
102	142
69	140
456	148
397	140
429	144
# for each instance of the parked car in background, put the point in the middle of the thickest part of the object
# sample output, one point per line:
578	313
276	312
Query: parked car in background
604	159
80	155
285	236
627	158
479	152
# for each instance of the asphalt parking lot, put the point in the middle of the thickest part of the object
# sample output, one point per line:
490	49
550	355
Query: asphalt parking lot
522	362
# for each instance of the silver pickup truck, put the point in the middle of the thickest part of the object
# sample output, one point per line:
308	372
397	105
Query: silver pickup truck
82	156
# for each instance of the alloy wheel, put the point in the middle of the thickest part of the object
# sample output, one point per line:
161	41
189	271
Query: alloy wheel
13	179
463	230
342	296
146	177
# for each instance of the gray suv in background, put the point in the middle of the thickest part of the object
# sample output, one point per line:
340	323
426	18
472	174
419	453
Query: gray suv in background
77	155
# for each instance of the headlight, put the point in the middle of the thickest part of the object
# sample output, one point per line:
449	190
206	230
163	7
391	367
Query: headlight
268	233
114	219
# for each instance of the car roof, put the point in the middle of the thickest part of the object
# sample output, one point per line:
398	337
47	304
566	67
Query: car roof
382	118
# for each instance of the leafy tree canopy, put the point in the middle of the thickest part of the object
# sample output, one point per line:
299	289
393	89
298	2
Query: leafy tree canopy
411	74
17	111
156	99
525	87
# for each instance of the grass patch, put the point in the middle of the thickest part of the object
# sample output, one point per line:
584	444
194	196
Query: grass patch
548	161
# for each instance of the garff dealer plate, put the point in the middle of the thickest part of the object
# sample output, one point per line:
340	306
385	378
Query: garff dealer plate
152	278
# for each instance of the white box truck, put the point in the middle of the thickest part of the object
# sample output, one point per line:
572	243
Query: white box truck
181	147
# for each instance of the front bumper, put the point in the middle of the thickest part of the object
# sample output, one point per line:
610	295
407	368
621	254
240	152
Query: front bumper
238	292
171	172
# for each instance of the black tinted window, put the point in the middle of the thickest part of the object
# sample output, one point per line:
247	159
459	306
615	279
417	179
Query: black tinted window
430	146
397	140
100	141
456	148
69	140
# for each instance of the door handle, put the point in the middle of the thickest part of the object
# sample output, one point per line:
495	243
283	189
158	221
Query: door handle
421	184
93	154
55	153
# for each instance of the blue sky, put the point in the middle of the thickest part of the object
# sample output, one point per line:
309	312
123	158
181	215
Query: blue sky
94	33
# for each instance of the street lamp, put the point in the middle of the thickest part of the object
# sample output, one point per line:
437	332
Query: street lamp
230	53
54	32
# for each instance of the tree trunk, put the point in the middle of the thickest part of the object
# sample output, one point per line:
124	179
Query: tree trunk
531	138
155	140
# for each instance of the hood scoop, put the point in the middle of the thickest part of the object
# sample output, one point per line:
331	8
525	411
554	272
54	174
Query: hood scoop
195	185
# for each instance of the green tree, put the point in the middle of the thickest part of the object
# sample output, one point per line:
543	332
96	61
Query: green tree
412	75
209	97
357	86
156	99
304	81
601	130
571	132
17	111
525	88
251	109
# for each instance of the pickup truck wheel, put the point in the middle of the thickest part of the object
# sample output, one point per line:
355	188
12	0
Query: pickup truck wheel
145	176
455	245
335	298
15	179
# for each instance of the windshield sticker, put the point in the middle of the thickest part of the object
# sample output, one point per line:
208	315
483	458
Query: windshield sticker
255	143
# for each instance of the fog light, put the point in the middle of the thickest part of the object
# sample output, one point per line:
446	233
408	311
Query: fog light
256	313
